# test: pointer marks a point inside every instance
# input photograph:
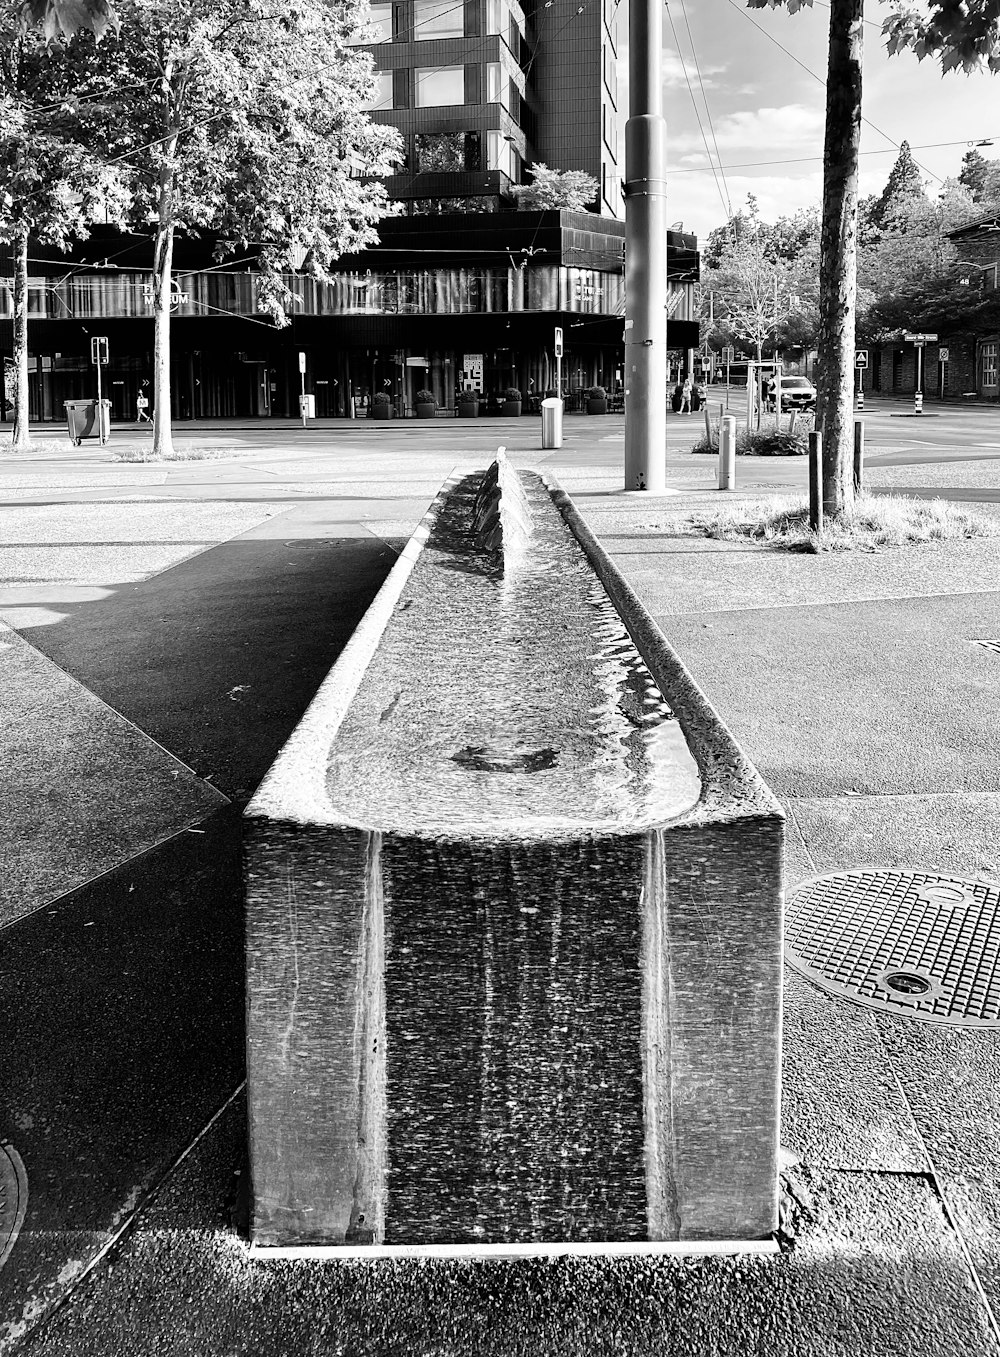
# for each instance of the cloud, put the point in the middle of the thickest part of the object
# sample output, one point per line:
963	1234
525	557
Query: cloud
788	128
672	68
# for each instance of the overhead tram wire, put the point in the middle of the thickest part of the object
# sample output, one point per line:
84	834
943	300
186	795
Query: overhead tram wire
708	111
809	71
694	104
808	159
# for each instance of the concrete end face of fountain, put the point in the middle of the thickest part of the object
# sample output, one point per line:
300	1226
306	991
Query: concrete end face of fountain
513	918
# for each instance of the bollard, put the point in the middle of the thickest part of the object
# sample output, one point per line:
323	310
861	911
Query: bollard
859	455
816	481
861	399
918	403
708	426
552	409
727	453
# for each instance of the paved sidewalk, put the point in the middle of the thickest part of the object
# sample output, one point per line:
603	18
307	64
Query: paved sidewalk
203	602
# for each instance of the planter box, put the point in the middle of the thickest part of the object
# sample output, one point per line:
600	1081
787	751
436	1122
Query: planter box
468	409
381	412
512	409
597	405
425	410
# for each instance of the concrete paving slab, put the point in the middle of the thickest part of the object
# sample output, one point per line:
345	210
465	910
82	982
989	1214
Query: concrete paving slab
842	1107
875	1266
836	699
218	657
121	1008
956	834
81	788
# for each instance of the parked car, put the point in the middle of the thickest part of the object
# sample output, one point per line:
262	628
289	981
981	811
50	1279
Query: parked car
797	393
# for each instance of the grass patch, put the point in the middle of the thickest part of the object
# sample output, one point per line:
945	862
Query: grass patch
877	521
37	445
767	441
144	453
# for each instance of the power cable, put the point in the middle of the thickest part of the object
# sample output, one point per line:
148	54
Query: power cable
708	111
803	159
694	104
809	71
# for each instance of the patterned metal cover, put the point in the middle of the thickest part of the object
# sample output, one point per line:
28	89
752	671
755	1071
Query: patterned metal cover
913	944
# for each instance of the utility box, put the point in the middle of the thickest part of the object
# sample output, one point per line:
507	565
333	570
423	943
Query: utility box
307	406
552	412
88	419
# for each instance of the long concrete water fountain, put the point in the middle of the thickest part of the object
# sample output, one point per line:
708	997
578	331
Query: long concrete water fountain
513	917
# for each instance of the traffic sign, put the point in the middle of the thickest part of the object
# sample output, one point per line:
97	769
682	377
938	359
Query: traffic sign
861	358
99	350
943	355
302	361
559	341
728	354
919	338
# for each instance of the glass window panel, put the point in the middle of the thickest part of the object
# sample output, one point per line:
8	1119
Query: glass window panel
494	16
989	356
440	150
438	19
494	82
440	85
382	98
377	27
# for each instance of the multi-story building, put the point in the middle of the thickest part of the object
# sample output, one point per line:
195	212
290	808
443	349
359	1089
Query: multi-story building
463	288
480	88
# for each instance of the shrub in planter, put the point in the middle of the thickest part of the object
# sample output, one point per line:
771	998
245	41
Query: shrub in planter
597	400
426	404
468	404
512	401
381	407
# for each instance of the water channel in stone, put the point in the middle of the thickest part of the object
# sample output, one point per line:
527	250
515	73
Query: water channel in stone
507	698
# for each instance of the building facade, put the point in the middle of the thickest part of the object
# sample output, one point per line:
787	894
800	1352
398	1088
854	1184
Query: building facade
474	303
480	89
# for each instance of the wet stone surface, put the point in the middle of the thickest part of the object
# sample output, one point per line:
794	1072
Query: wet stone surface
508	696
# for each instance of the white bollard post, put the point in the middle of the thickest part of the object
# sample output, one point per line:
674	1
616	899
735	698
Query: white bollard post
918	403
727	453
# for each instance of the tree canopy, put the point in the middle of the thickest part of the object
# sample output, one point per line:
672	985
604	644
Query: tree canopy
572	190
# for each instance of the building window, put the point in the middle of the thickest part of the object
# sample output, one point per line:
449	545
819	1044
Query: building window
494	16
429	207
439	85
438	19
990	278
499	154
378	26
988	364
382	98
447	152
494	82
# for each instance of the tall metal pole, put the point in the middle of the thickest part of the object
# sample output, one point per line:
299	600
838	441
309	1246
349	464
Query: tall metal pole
645	255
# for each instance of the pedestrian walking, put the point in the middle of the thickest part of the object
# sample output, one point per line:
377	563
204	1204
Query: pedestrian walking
686	396
141	407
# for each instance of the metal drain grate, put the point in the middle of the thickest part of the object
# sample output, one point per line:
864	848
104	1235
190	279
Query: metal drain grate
910	943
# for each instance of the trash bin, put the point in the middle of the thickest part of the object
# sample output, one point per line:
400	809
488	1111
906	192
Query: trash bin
82	420
552	410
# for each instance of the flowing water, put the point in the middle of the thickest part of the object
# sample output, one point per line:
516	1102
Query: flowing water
507	698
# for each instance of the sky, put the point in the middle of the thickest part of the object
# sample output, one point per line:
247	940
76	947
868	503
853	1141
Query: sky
762	103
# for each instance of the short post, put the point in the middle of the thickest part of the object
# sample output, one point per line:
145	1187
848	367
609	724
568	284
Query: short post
708	426
859	455
816	481
861	389
918	403
918	396
727	452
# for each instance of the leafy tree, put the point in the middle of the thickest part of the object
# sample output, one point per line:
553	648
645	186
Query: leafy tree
973	174
61	20
904	183
53	183
965	35
572	190
248	120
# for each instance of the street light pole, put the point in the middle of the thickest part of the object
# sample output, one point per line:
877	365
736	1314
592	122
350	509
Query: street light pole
645	256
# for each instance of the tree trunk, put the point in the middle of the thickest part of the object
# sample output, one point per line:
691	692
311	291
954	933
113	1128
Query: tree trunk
163	258
839	255
20	437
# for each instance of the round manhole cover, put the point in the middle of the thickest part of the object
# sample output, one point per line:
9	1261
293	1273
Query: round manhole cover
910	943
13	1198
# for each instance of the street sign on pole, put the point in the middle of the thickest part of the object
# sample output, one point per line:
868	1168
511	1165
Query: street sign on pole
559	358
99	350
919	339
559	342
302	362
943	355
861	358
